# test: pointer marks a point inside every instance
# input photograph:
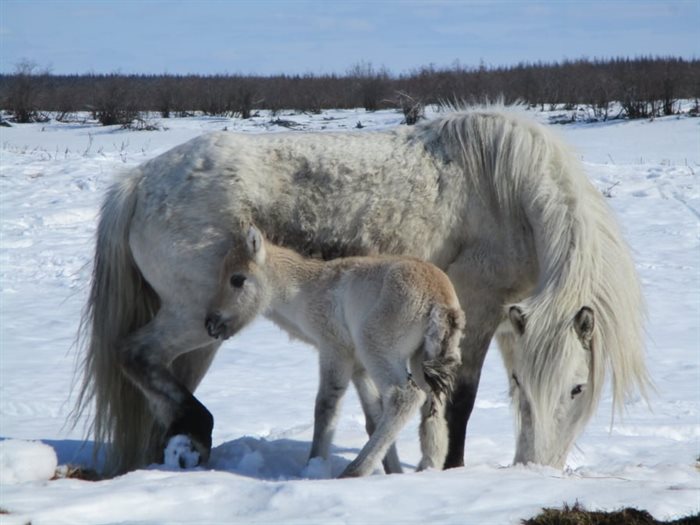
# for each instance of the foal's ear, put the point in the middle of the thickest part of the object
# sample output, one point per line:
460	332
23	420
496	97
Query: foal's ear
517	319
255	244
584	322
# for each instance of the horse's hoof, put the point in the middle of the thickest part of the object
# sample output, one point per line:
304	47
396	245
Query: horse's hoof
452	463
195	425
180	452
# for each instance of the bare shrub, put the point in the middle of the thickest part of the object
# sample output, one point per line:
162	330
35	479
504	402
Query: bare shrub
413	109
113	102
645	87
370	85
577	515
23	93
139	123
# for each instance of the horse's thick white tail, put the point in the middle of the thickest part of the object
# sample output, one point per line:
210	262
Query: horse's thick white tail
120	302
441	353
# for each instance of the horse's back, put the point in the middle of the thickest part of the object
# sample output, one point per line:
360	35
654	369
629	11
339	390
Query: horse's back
323	194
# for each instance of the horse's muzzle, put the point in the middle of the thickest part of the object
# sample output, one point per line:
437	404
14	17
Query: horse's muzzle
215	325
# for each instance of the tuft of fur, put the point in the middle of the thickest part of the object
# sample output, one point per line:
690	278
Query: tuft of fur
441	349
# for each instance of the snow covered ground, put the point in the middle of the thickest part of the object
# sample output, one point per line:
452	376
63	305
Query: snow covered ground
52	177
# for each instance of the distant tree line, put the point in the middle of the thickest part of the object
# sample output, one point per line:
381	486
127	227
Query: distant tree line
643	87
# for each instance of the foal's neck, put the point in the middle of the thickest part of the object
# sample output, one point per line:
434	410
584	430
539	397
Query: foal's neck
290	271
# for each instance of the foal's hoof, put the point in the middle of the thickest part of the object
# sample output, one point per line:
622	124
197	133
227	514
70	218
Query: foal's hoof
351	472
180	452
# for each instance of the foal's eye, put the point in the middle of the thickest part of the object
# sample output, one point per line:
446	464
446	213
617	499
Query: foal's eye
237	280
576	391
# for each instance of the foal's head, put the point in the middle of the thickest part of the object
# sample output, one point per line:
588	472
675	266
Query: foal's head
243	290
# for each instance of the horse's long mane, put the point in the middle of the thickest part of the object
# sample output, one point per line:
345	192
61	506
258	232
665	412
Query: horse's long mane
531	177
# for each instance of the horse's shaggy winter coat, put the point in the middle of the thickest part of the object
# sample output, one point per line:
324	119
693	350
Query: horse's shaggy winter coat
496	200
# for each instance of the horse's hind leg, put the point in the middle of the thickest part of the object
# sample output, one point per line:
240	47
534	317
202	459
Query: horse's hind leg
146	358
190	368
372	407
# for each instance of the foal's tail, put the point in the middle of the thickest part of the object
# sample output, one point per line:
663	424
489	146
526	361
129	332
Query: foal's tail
441	353
120	302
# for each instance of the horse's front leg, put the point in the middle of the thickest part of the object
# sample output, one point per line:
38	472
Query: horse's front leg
461	402
335	372
473	286
146	358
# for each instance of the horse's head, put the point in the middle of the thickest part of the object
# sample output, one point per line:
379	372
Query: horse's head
551	382
243	290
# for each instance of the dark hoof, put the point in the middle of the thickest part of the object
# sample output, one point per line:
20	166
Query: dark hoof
195	425
453	463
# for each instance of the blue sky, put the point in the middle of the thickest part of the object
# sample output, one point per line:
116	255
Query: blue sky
294	36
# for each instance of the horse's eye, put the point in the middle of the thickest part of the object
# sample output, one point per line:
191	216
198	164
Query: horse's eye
237	280
576	391
515	380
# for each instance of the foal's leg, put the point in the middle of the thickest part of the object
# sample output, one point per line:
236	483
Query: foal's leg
146	357
400	402
335	372
400	394
372	407
433	433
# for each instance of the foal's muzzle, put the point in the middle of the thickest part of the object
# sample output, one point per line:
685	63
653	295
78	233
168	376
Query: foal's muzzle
215	325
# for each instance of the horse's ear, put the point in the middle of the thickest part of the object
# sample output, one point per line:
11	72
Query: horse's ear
255	244
584	322
517	319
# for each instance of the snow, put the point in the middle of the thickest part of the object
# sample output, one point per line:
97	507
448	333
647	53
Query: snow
179	452
52	177
22	461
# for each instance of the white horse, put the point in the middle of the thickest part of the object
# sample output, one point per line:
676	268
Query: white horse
398	319
497	201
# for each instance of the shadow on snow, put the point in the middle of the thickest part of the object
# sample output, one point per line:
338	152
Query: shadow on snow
258	458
